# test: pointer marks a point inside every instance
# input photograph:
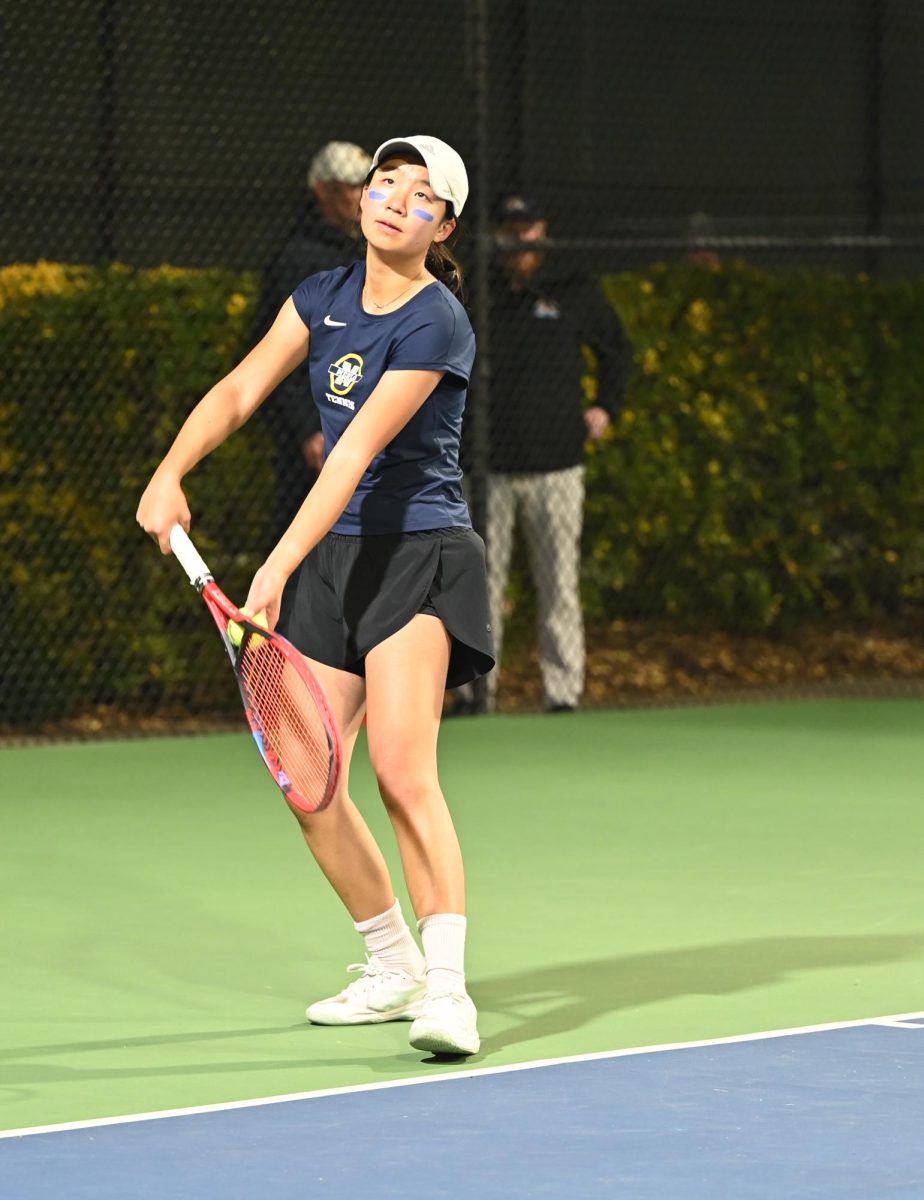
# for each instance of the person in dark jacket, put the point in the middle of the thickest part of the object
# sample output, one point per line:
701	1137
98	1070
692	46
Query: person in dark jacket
539	425
325	237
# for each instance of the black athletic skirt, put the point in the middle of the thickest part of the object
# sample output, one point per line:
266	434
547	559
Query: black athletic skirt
353	592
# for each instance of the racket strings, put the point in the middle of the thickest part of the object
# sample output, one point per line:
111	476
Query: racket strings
295	737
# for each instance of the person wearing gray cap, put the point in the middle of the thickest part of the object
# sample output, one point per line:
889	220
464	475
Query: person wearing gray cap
391	599
325	236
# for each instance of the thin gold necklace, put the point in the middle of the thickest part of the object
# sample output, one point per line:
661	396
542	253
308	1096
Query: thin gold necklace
386	303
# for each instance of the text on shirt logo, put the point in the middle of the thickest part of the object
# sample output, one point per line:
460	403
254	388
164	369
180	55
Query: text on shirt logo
344	374
342	401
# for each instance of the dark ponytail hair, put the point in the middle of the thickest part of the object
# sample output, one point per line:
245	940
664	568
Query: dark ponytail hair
442	263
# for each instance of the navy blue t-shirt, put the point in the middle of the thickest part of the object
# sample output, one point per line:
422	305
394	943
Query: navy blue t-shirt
415	483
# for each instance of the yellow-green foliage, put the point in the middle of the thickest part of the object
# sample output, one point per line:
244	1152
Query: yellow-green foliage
101	368
767	469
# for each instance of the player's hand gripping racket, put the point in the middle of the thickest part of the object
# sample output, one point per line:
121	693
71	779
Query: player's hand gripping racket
285	706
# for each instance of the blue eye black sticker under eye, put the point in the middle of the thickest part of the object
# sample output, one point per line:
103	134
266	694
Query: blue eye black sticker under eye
376	195
424	216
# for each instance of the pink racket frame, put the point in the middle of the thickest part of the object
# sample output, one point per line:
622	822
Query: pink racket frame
223	611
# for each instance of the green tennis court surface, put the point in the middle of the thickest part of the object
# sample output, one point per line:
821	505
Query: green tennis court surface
635	878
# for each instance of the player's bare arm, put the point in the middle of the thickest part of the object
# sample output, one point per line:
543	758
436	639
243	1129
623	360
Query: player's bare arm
396	398
223	409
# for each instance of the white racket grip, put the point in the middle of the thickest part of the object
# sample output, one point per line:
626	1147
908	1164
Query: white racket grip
189	557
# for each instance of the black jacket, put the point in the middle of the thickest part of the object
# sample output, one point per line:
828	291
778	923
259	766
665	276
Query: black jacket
313	245
535	337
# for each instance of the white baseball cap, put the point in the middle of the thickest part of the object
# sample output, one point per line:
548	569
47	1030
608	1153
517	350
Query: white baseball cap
448	176
339	162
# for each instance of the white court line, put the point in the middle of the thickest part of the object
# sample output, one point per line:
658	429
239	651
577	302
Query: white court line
899	1020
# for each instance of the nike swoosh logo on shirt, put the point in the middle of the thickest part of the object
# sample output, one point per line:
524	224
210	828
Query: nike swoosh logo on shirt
328	320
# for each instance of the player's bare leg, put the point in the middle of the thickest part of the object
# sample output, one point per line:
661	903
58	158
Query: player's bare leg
391	982
339	837
405	681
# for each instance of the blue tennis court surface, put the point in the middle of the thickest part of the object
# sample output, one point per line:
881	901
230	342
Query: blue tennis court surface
826	1112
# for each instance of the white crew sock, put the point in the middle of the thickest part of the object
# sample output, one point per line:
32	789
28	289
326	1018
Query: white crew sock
390	943
443	937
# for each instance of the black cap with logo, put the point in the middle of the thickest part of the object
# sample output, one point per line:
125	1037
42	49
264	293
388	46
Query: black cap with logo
511	209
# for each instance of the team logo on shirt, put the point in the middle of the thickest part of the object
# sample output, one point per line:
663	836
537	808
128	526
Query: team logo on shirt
344	374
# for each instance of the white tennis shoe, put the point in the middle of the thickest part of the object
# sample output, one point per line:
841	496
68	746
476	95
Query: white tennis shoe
446	1024
380	994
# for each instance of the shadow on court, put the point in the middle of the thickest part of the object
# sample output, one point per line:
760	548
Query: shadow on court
540	1003
123	1043
32	1074
569	995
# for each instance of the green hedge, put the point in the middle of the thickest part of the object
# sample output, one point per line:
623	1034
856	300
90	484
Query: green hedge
102	367
767	470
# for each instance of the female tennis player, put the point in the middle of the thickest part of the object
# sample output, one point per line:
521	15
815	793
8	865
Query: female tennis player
390	597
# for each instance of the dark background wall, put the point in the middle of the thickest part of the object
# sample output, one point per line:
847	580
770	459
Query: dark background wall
171	131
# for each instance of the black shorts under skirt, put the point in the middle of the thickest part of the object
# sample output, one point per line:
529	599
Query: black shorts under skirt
353	592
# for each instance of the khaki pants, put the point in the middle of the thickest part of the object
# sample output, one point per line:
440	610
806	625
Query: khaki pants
551	509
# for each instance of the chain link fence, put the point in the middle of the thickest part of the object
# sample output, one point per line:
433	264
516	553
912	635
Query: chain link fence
695	255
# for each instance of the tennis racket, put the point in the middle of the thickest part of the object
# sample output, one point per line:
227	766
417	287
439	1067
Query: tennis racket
286	709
